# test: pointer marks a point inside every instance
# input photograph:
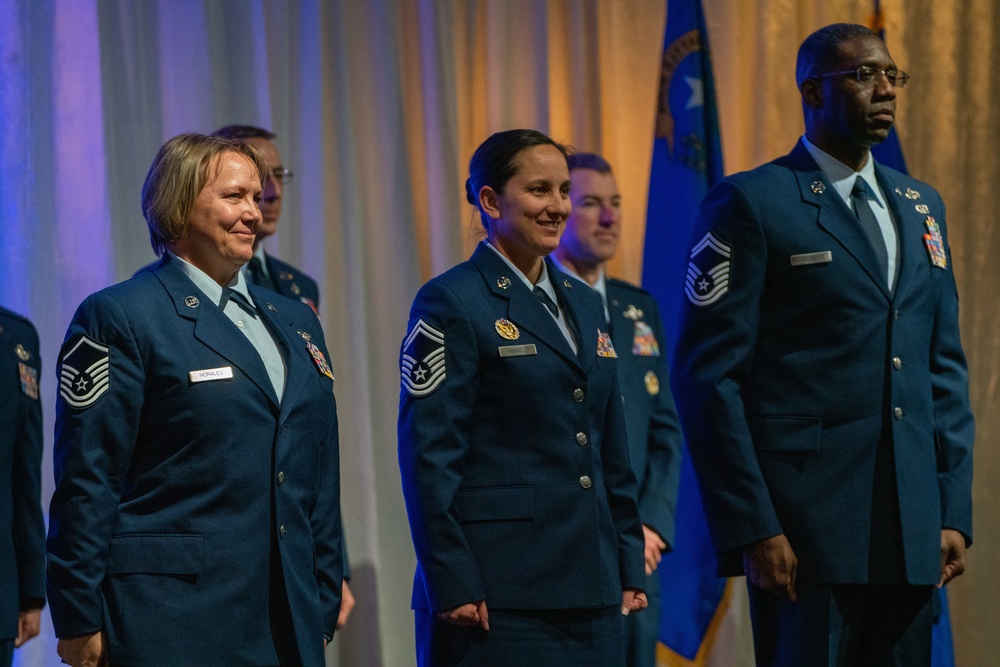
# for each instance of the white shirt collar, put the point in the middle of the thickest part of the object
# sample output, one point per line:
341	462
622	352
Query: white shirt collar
209	287
841	176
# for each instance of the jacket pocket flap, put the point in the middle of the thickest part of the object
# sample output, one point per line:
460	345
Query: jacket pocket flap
502	503
155	554
786	434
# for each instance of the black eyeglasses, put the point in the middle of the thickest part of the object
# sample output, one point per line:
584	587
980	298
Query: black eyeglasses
280	174
870	76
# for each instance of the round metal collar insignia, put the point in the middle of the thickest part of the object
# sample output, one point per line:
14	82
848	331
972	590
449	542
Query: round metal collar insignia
507	329
503	282
818	187
191	301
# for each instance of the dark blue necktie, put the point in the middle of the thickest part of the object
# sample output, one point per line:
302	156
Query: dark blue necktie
258	276
863	210
546	301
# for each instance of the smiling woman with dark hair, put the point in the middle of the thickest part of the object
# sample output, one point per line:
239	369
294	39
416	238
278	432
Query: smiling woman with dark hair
521	500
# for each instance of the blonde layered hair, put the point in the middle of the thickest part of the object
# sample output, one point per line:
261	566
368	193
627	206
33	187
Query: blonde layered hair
179	172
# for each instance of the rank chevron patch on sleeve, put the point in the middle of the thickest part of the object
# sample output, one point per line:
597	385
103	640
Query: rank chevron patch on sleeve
422	361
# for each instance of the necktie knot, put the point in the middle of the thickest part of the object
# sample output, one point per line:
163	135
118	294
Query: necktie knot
258	276
546	301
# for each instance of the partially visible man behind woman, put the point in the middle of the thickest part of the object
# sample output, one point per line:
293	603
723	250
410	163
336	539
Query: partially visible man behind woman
515	470
195	519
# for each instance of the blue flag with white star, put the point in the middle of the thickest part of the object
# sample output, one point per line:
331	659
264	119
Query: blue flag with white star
687	160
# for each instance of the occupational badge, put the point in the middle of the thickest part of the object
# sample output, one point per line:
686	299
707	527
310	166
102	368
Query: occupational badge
922	209
707	278
84	372
422	360
652	383
818	187
319	360
935	244
632	313
503	282
644	342
507	329
604	346
21	353
29	380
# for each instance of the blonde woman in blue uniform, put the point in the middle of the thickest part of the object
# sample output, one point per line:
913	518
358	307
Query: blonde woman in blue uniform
196	516
521	500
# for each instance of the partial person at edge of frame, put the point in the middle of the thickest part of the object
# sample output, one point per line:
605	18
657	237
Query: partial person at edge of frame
821	382
22	535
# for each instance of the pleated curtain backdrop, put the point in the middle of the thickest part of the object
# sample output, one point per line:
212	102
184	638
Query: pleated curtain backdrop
378	105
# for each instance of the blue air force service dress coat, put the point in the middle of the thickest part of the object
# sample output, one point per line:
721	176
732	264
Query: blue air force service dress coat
795	362
192	510
654	432
512	448
22	529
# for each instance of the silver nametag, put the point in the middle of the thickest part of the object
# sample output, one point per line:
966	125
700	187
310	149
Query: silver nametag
517	350
224	373
811	258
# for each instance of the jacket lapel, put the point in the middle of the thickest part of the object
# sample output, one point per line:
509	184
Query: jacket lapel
909	226
213	329
573	297
523	308
834	216
291	338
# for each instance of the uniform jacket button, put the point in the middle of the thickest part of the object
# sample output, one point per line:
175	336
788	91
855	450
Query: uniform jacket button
581	438
578	395
585	482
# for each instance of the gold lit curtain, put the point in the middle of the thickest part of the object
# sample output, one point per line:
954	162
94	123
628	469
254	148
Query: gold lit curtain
378	105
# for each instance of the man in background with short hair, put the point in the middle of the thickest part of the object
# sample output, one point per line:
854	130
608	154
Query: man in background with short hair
654	438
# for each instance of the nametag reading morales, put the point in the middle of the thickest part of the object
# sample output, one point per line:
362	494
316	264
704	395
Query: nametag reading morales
517	350
209	374
811	258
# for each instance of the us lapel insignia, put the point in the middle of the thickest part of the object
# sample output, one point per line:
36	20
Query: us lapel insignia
296	290
191	301
567	284
271	307
818	187
604	346
935	244
632	313
922	209
421	364
644	342
507	329
652	383
319	360
911	194
21	353
29	380
503	282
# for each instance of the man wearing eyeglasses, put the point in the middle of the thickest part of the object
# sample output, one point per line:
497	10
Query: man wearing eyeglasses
264	269
821	382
